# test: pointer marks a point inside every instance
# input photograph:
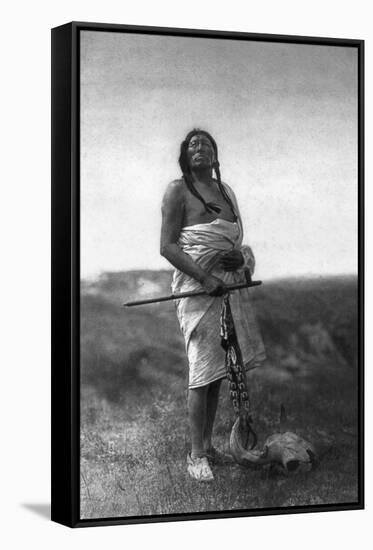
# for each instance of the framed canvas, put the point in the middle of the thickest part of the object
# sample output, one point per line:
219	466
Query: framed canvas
207	274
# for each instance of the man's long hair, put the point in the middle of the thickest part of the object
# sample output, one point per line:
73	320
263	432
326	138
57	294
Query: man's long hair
188	177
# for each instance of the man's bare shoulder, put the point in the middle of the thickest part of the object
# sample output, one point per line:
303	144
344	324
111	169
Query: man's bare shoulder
227	187
175	190
229	190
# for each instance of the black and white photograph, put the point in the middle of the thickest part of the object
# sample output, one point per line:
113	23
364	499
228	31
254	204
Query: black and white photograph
219	363
185	275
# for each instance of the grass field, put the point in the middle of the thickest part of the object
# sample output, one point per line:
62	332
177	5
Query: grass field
134	433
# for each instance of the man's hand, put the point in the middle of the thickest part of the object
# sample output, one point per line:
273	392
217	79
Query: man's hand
230	261
214	286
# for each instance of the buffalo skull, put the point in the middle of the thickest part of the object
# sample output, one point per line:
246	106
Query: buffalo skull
288	451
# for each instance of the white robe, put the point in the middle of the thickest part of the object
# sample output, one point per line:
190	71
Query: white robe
199	317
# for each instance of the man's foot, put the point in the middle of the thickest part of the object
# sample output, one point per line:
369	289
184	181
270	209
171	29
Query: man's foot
218	457
199	468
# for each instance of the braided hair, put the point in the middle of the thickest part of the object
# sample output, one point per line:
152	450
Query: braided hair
188	177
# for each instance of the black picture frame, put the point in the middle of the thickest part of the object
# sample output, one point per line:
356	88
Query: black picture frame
66	270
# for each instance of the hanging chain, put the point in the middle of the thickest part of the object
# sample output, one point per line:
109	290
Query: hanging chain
233	361
236	374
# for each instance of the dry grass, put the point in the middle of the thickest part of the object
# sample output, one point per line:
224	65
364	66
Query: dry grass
134	434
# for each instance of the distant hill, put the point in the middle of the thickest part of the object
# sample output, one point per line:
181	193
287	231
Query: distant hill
312	314
303	322
122	286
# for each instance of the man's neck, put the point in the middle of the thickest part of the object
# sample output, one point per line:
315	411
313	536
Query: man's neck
203	175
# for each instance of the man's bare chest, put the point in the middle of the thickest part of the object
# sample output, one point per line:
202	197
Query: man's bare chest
195	211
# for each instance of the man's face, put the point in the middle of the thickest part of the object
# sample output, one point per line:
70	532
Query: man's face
200	152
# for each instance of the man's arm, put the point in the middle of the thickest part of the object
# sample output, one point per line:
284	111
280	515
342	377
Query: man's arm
173	209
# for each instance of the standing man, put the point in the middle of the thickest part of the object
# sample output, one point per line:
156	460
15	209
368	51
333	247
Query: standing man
202	238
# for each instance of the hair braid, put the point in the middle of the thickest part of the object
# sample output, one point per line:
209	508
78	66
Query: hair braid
223	190
188	178
187	175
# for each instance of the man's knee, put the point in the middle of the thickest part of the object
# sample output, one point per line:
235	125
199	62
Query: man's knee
214	387
197	395
201	390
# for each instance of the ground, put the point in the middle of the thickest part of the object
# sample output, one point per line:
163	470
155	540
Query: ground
134	432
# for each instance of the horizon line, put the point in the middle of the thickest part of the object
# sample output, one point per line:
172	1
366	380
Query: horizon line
98	275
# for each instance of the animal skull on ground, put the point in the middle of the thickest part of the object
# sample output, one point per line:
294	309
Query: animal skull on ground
287	450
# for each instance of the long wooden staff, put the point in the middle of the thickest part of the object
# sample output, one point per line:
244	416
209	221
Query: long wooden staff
248	284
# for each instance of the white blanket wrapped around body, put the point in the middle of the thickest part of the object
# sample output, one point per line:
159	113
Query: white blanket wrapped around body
199	317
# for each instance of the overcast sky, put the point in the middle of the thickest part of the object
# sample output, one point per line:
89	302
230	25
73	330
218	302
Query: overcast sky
285	120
